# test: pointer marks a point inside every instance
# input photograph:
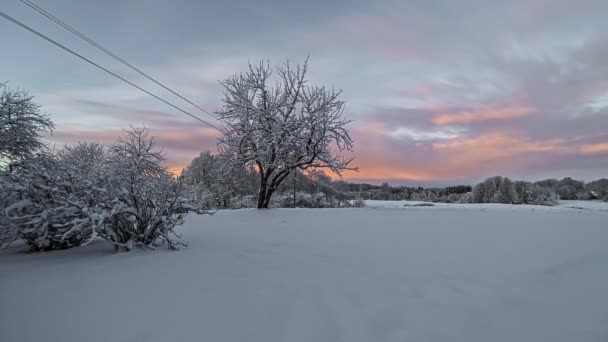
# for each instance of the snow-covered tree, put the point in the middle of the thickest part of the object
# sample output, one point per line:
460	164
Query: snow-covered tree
570	189
21	124
283	126
478	193
495	190
532	193
507	191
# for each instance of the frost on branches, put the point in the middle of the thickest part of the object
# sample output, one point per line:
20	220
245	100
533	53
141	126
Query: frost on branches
283	126
21	124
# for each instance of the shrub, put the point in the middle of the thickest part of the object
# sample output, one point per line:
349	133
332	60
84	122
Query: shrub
48	205
145	202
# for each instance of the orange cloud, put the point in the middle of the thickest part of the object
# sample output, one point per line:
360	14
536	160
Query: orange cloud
499	145
380	172
491	153
483	114
594	148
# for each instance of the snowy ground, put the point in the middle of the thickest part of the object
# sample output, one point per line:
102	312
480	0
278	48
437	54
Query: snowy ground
474	273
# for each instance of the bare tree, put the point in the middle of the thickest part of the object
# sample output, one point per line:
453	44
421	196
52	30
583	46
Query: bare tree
21	124
283	126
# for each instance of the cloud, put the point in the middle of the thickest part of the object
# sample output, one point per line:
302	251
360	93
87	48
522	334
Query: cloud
483	114
426	135
498	145
592	149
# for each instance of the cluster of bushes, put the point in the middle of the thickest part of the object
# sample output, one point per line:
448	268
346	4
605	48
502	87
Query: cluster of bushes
124	195
503	190
546	192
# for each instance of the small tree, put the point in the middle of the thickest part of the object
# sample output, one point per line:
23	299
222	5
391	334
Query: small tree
21	124
278	129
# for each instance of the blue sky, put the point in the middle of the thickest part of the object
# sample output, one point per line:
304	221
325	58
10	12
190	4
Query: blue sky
439	91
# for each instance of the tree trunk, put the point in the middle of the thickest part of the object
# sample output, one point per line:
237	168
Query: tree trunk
262	195
269	193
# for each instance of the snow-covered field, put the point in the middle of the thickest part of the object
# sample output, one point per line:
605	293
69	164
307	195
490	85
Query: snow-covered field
445	273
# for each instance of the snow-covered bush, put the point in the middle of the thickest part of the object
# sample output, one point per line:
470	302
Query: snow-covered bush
48	205
124	195
466	198
247	201
87	158
357	203
146	201
456	198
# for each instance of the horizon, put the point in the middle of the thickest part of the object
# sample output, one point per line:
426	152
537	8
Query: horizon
439	94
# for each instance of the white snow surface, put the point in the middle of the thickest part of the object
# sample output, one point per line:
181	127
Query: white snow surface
445	273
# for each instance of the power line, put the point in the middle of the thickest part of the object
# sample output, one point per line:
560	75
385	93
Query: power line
108	52
50	40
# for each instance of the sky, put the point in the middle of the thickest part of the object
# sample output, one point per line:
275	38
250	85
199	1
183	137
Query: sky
440	92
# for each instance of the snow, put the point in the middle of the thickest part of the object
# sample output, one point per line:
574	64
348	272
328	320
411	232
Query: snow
577	205
443	273
588	205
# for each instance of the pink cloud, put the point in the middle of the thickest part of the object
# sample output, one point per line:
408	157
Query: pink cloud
483	114
592	149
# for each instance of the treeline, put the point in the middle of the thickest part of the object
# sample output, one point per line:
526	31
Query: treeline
386	192
218	188
546	192
493	190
